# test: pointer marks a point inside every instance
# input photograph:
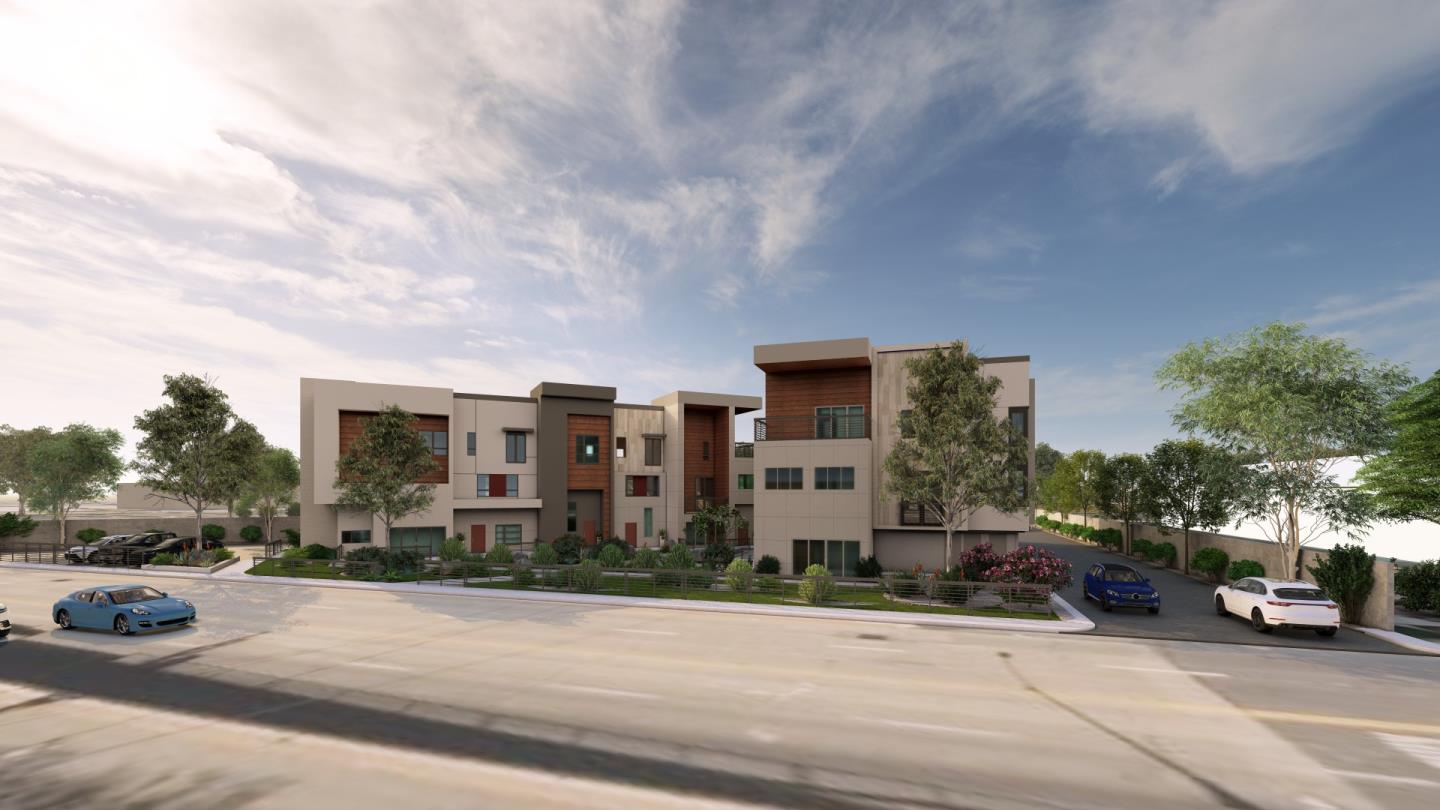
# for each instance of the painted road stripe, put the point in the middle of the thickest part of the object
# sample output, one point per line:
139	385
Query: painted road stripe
864	648
600	690
368	665
1387	778
647	632
1163	671
968	732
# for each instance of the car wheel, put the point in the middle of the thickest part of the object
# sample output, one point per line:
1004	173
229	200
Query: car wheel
1325	632
122	625
1153	610
1105	603
1220	609
1257	621
63	619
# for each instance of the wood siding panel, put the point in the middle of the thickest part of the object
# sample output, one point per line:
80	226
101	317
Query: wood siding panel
799	393
352	425
591	476
706	424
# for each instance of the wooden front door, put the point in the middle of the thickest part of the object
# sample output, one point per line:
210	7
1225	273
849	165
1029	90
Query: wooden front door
632	534
587	532
477	538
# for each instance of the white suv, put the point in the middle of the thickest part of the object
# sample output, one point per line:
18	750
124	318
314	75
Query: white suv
1271	603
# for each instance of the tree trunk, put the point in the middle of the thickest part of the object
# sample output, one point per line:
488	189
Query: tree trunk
1185	552
949	533
60	518
20	497
199	522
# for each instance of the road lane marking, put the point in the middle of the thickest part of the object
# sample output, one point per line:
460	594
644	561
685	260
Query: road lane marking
863	647
322	607
1425	749
646	632
600	690
1164	671
1387	778
910	724
369	665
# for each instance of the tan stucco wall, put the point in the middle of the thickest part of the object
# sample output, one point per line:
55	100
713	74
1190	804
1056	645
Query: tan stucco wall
139	496
487	419
782	516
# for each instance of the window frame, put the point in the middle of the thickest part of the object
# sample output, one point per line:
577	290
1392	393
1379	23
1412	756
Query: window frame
502	530
470	443
745	478
658	444
620	447
788	479
369	536
515	447
581	444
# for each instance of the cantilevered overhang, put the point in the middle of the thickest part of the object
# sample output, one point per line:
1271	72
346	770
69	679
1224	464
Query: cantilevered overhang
572	391
813	354
741	402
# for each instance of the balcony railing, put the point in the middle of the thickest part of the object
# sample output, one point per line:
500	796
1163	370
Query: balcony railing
914	514
744	450
789	428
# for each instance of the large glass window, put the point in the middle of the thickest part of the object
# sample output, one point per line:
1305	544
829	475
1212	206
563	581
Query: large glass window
840	557
642	486
747	481
355	536
514	447
1020	419
424	539
834	477
840	422
507	533
437	440
497	485
587	449
784	477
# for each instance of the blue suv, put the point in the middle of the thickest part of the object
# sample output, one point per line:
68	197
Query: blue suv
1120	586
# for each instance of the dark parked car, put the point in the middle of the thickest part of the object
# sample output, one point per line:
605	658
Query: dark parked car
137	550
1114	585
79	554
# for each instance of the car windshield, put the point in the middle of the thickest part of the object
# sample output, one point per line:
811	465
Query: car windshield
1122	575
126	596
1313	594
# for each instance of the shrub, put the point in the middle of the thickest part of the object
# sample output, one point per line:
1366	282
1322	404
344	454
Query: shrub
292	537
12	525
166	558
587	576
610	556
212	531
1163	553
1110	538
768	564
88	536
293	510
1419	585
1210	561
718	555
1141	547
1031	565
369	554
978	560
252	534
522	576
315	551
679	558
646	558
568	548
502	555
818	586
1044	522
868	567
1085	533
1347	575
293	553
404	560
545	554
738	574
221	555
453	549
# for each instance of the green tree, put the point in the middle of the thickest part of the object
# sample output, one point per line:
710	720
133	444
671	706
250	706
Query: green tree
75	465
271	489
381	471
715	521
1296	403
1190	485
1405	482
958	457
1347	575
195	450
1121	490
15	473
1074	483
1045	459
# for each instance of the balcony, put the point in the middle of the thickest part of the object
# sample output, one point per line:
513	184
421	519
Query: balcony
804	428
914	514
744	450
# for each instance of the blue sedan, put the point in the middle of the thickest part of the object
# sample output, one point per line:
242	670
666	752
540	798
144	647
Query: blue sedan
1115	585
126	609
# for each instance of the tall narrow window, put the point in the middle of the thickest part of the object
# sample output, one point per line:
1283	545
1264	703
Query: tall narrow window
514	447
652	451
619	446
470	443
649	522
704	451
1020	419
570	517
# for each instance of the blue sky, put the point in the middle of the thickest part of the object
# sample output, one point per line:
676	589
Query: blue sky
481	196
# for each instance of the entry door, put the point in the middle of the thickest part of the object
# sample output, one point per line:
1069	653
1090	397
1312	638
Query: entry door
631	534
587	534
477	538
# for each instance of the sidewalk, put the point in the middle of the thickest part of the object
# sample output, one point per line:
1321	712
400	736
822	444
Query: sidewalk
1070	621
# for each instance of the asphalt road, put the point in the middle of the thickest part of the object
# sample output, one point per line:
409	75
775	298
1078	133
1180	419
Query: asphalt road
1187	609
296	696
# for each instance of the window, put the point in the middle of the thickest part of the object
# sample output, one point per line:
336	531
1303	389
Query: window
907	426
570	517
497	485
652	451
704	451
784	477
1020	419
840	422
834	477
587	449
839	557
619	446
470	443
917	514
514	447
649	522
437	440
424	539
507	534
704	486
355	536
642	486
747	481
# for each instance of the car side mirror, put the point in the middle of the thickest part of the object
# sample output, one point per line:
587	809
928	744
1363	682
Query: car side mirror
164	595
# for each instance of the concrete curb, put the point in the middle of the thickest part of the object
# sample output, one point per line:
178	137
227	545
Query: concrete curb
1071	622
1398	639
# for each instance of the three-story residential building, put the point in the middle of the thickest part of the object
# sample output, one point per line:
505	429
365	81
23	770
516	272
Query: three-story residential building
833	412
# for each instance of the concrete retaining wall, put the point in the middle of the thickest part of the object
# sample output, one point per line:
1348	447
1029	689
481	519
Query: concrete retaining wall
48	531
1379	608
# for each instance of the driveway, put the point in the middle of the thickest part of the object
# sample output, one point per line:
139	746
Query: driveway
1188	608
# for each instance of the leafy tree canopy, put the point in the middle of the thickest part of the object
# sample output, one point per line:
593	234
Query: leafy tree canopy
381	470
75	465
1405	481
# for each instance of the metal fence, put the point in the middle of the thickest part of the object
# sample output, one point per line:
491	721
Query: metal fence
55	555
891	592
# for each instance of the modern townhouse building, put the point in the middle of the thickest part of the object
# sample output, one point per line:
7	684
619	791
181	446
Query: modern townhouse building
833	412
511	470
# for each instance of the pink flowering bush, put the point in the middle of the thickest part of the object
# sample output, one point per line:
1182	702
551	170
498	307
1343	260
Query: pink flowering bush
975	562
1029	564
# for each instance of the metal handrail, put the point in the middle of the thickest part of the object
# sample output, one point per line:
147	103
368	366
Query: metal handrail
805	428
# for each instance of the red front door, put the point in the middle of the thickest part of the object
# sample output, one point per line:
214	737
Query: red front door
477	538
631	533
589	532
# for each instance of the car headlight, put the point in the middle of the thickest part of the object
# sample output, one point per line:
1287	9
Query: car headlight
187	603
1109	592
140	611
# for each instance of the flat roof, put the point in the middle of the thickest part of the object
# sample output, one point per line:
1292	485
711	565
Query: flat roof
573	391
813	354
